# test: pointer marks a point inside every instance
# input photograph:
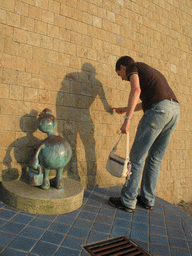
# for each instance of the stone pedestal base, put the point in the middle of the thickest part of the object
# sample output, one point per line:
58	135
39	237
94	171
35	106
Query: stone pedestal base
27	198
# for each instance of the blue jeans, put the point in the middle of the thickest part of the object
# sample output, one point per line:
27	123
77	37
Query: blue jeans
152	137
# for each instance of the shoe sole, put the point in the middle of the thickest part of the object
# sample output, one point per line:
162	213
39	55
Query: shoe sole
148	207
122	208
144	205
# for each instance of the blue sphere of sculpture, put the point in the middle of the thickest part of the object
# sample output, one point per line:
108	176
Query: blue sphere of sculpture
53	153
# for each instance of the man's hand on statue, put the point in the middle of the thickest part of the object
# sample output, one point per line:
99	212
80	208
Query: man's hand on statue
119	110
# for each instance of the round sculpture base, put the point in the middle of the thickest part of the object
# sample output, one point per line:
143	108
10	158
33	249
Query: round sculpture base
27	198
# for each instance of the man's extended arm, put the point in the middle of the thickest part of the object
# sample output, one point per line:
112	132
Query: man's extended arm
124	109
132	102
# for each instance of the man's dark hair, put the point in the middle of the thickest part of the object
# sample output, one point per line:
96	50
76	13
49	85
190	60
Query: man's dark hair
125	61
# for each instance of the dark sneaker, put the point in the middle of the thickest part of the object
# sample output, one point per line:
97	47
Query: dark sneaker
116	202
140	201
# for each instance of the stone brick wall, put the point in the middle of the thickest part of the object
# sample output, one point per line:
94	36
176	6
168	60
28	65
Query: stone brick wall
61	54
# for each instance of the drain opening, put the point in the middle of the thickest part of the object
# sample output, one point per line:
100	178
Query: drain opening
119	246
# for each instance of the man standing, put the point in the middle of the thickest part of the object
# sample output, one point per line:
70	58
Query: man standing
161	115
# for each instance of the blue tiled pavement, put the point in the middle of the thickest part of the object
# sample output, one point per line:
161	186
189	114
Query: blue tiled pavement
166	230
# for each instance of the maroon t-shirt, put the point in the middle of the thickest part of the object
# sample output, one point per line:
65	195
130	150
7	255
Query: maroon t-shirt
154	86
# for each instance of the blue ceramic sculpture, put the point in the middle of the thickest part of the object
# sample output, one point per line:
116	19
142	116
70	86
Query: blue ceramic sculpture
53	153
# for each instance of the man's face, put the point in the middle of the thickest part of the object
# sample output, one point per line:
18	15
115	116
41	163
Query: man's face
122	72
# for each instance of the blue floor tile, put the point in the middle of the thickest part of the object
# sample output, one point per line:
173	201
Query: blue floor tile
5	214
190	245
94	203
104	228
157	222
122	223
104	219
44	249
107	212
139	235
176	242
73	214
90	208
114	192
59	228
180	252
188	236
158	230
13	228
171	217
87	194
190	226
157	250
84	253
158	208
158	239
181	214
83	224
141	244
6	207
140	226
176	233
97	236
188	220
5	238
73	242
140	218
65	219
118	231
101	191
1	248
141	211
52	237
174	225
47	217
63	251
2	222
40	223
23	243
156	215
22	218
79	232
12	252
185	227
32	232
123	215
87	216
96	198
107	206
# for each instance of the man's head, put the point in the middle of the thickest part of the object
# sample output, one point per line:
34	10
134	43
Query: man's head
124	61
121	65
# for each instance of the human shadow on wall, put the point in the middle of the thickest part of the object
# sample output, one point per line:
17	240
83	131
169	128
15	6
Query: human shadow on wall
74	102
21	149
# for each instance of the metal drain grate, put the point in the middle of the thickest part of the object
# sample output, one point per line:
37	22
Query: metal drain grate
119	246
